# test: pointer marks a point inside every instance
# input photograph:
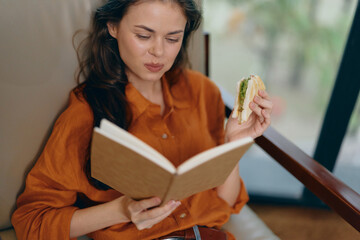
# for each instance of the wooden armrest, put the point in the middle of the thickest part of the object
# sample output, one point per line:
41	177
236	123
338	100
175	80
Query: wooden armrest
334	193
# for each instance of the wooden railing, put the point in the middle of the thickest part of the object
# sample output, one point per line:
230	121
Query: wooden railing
322	183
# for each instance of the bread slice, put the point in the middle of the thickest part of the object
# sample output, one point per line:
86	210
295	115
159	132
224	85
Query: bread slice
242	110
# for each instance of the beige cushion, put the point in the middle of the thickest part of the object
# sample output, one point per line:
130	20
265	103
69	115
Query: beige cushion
37	64
8	234
248	226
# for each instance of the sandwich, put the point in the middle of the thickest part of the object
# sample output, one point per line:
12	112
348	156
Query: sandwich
246	89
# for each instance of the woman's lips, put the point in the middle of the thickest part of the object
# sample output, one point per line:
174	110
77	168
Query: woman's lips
154	67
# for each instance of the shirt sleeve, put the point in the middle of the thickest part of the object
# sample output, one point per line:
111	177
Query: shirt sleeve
241	200
216	112
45	208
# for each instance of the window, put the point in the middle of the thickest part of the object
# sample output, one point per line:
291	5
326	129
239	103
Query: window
295	46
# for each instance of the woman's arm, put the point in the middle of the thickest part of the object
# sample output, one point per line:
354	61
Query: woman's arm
97	217
120	210
258	122
229	191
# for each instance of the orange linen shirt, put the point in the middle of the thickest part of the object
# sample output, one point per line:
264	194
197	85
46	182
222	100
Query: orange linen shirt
193	121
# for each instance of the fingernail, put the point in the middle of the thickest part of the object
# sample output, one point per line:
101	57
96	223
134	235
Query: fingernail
174	204
171	202
252	104
256	98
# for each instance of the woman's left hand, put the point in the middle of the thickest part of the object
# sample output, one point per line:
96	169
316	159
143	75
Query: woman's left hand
259	120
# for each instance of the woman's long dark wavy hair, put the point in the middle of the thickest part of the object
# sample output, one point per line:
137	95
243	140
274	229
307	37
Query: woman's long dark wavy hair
101	75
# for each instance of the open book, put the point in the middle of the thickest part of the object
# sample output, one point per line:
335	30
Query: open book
132	167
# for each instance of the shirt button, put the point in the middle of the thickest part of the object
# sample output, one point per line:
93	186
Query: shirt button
183	215
164	136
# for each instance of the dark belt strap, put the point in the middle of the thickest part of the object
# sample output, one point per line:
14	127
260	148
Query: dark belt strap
205	233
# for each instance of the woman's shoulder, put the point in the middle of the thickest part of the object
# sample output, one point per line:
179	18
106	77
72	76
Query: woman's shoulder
78	113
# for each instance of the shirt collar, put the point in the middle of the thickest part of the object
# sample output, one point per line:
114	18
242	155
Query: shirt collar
175	97
178	95
138	103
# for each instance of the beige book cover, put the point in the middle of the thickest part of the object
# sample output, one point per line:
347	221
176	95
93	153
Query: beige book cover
132	167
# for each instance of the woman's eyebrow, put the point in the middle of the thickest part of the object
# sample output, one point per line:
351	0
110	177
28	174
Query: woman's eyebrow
151	30
145	28
175	32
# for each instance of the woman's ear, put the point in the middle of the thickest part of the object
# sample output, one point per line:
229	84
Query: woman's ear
112	28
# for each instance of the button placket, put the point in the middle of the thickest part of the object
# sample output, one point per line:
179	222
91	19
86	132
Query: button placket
182	215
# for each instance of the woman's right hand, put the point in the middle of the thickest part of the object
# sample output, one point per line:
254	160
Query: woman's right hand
146	213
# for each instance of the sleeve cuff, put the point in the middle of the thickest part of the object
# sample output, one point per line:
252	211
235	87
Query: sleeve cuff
241	200
60	219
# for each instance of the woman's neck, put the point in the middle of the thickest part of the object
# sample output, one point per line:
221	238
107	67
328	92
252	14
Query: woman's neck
148	89
151	90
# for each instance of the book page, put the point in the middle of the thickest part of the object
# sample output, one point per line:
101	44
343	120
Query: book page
125	138
207	155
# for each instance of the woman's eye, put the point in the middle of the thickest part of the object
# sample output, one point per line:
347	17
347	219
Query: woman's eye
142	36
173	40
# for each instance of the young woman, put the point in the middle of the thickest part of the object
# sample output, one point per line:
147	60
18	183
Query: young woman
133	70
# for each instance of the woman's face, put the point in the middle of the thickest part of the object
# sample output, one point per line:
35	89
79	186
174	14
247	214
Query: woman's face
149	37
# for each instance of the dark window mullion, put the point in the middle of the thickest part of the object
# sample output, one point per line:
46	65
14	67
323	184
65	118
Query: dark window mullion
342	101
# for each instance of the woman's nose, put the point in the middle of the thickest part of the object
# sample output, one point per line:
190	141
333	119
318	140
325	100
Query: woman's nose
157	48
